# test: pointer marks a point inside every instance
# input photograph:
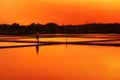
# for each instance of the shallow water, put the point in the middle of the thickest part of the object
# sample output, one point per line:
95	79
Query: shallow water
59	62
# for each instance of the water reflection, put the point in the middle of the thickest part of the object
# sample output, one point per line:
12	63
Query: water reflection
37	48
14	43
109	42
81	60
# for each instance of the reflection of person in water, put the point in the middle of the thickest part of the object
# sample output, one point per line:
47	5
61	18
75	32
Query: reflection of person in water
37	37
37	48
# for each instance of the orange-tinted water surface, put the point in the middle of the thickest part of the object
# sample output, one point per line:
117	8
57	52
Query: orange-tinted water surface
60	62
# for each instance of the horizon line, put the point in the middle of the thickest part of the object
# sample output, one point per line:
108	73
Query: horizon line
59	24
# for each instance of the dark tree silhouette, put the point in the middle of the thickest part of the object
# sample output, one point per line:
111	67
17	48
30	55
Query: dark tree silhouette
52	28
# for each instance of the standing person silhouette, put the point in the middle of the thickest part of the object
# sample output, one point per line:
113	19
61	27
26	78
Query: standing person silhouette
37	37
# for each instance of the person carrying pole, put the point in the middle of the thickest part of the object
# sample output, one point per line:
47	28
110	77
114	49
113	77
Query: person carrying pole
37	37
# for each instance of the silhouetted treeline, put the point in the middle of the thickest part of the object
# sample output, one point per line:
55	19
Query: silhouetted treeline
52	28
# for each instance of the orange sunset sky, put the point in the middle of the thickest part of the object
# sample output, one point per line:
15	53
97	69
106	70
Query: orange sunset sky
59	11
